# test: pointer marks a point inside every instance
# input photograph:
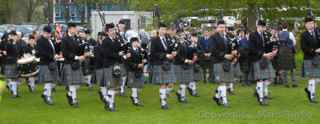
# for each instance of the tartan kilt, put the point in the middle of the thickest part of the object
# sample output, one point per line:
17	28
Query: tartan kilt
159	76
222	76
198	73
285	60
11	71
86	68
236	71
45	75
72	77
258	73
184	76
123	69
135	82
310	70
104	76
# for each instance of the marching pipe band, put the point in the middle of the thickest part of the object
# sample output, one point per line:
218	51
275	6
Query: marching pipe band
117	59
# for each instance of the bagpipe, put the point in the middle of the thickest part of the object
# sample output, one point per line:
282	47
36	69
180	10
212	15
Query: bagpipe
234	47
141	55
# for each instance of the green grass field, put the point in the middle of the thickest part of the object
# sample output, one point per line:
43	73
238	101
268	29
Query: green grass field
289	105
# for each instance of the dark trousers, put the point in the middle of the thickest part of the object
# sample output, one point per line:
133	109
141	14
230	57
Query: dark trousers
206	68
283	77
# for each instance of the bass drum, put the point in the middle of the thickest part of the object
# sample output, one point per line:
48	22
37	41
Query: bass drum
27	67
28	70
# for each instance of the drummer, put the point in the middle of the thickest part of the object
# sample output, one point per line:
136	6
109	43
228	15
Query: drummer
9	50
29	52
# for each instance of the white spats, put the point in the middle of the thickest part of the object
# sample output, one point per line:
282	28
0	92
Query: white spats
221	93
123	84
14	88
134	95
88	79
111	95
104	92
224	94
192	86
163	96
47	90
312	88
134	92
182	90
259	90
73	92
31	82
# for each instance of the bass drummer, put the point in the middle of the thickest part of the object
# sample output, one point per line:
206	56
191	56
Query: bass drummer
27	64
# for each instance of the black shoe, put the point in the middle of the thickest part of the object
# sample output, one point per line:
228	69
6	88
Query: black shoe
110	109
121	94
195	94
308	94
46	99
192	93
15	96
164	107
183	100
268	97
31	90
225	105
216	100
75	104
70	101
265	101
258	99
261	102
7	86
134	102
314	101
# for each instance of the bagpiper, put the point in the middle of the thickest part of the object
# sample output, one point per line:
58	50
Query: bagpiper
311	61
161	61
72	54
261	53
48	70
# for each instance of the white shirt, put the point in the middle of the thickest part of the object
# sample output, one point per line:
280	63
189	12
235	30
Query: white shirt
291	37
163	40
